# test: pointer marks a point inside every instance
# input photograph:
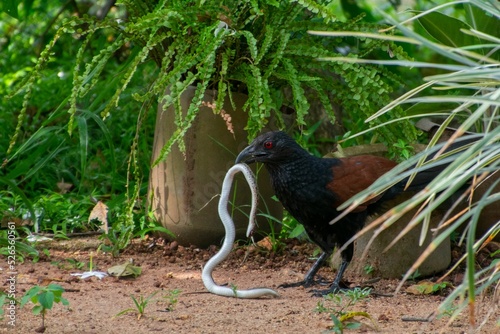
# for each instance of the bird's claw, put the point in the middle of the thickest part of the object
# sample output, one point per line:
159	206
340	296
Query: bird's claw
294	285
334	288
307	283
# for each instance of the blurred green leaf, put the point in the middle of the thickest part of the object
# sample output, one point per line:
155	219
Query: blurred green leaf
482	21
297	231
30	295
446	29
430	108
21	248
56	289
9	7
37	309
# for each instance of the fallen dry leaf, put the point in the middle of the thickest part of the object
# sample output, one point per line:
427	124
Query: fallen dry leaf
125	269
64	187
100	212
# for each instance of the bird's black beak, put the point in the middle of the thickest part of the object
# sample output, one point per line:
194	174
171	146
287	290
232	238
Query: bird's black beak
246	156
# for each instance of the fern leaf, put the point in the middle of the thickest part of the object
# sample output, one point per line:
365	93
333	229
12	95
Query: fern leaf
252	43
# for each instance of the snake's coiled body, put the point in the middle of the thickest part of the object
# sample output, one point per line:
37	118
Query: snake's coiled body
230	235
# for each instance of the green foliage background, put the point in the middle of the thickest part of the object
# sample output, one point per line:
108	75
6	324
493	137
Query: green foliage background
80	98
94	160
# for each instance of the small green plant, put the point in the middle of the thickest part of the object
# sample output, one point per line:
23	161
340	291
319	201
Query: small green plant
22	250
414	276
316	253
172	299
291	228
62	214
140	305
149	224
455	237
118	239
340	313
235	289
44	298
447	310
368	269
75	263
402	150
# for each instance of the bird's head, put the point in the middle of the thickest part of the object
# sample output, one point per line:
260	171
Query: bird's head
271	147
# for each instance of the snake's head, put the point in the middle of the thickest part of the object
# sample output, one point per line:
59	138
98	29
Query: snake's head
250	229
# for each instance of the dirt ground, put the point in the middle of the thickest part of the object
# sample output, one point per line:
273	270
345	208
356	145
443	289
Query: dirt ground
167	267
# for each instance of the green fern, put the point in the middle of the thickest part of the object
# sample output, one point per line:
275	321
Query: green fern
318	8
27	87
77	82
264	52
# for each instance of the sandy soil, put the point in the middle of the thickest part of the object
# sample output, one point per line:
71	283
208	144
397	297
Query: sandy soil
167	267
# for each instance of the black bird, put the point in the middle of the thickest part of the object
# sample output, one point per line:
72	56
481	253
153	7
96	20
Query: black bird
311	189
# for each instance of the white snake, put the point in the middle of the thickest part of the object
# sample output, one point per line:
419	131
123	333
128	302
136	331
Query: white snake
227	246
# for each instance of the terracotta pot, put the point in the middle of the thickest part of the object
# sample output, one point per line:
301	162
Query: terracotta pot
184	188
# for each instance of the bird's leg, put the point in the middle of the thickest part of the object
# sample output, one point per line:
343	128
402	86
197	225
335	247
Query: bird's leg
335	286
309	277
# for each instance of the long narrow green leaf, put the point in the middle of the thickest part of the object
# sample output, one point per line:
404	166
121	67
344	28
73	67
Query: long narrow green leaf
393	38
21	247
84	144
405	63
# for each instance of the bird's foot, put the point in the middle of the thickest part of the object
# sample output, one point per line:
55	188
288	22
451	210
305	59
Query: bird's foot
304	283
334	288
307	283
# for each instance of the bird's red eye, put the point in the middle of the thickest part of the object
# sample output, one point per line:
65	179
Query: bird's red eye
268	145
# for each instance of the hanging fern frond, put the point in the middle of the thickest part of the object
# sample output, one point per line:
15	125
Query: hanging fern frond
299	99
284	37
265	45
28	84
139	58
251	42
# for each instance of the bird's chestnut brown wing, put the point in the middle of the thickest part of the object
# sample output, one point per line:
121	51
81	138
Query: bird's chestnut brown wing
354	174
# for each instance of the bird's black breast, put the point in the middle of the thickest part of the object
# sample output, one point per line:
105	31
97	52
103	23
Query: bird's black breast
302	188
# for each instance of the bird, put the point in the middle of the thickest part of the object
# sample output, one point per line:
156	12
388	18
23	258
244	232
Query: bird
311	188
